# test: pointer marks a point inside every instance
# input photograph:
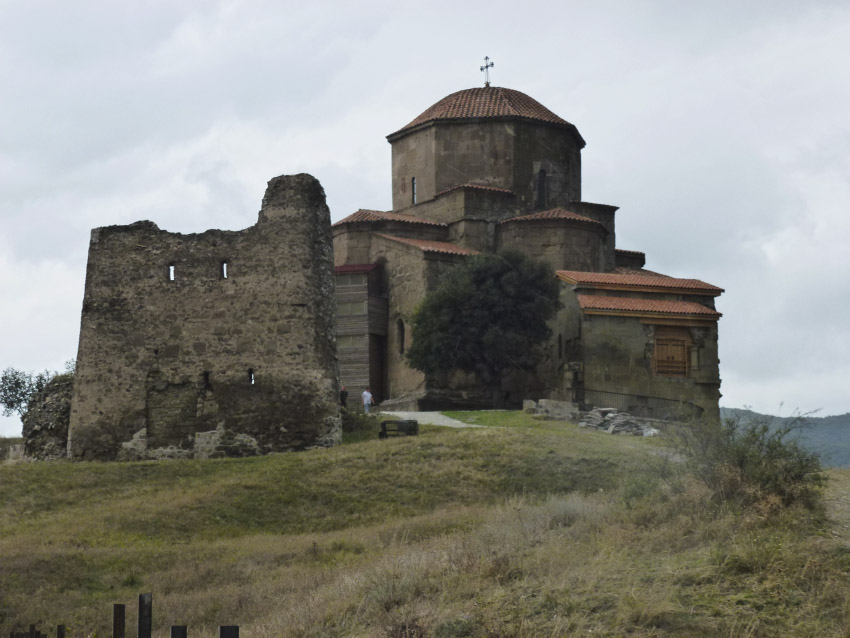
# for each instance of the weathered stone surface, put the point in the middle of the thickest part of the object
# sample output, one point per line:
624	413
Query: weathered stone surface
614	422
45	424
551	409
230	332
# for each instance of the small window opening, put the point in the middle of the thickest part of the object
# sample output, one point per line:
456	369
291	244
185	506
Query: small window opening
251	376
206	379
541	189
400	333
224	270
560	347
170	272
413	190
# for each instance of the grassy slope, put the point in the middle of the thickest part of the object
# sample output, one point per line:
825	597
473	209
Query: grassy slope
525	531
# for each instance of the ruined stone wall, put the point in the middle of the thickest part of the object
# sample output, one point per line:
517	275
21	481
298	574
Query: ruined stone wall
45	423
210	344
564	245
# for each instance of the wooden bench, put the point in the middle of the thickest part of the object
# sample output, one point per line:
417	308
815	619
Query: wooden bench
398	428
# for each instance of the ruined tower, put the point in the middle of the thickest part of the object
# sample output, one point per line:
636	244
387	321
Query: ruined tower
210	344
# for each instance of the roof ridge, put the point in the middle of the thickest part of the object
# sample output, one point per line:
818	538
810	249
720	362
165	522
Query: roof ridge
559	212
430	245
657	280
475	186
367	216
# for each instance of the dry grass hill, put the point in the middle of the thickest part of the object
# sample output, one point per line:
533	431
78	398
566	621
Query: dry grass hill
527	529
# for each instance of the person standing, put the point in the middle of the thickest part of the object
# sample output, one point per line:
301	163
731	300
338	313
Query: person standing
343	397
367	400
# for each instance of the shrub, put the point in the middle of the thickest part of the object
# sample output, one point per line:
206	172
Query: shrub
753	461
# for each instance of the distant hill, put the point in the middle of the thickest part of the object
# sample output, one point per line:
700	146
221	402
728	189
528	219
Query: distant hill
829	436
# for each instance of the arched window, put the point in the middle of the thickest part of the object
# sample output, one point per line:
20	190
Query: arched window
400	335
541	189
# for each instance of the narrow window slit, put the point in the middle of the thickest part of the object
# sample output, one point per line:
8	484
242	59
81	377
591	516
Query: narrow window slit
251	376
224	270
170	272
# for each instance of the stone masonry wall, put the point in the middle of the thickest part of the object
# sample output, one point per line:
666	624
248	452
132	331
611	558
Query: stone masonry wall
406	271
563	244
617	353
218	343
45	423
506	153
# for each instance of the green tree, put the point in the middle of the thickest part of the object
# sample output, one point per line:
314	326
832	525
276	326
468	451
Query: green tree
17	388
489	316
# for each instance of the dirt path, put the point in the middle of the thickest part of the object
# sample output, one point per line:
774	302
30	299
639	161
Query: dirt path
431	418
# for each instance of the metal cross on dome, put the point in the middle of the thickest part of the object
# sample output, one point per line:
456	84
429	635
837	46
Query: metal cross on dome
486	68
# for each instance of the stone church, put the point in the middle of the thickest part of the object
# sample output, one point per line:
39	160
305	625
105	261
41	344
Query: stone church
490	168
221	343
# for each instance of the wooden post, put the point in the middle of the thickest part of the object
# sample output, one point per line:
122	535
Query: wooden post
145	615
178	631
228	631
60	631
118	617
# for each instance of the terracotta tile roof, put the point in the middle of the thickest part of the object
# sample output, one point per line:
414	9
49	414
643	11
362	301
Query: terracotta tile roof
429	246
628	280
354	268
554	213
650	306
625	270
485	102
364	215
478	187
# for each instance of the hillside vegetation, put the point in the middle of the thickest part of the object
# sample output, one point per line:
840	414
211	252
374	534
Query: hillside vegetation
528	529
828	436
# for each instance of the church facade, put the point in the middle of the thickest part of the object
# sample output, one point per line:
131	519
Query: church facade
487	169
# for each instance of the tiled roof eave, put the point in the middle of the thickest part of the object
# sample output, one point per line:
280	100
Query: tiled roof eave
653	289
478	187
375	217
643	307
430	246
392	137
649	314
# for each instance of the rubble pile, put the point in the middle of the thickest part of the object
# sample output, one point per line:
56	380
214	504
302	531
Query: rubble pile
614	422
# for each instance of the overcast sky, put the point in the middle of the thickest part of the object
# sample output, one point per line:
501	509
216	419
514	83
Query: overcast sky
721	129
